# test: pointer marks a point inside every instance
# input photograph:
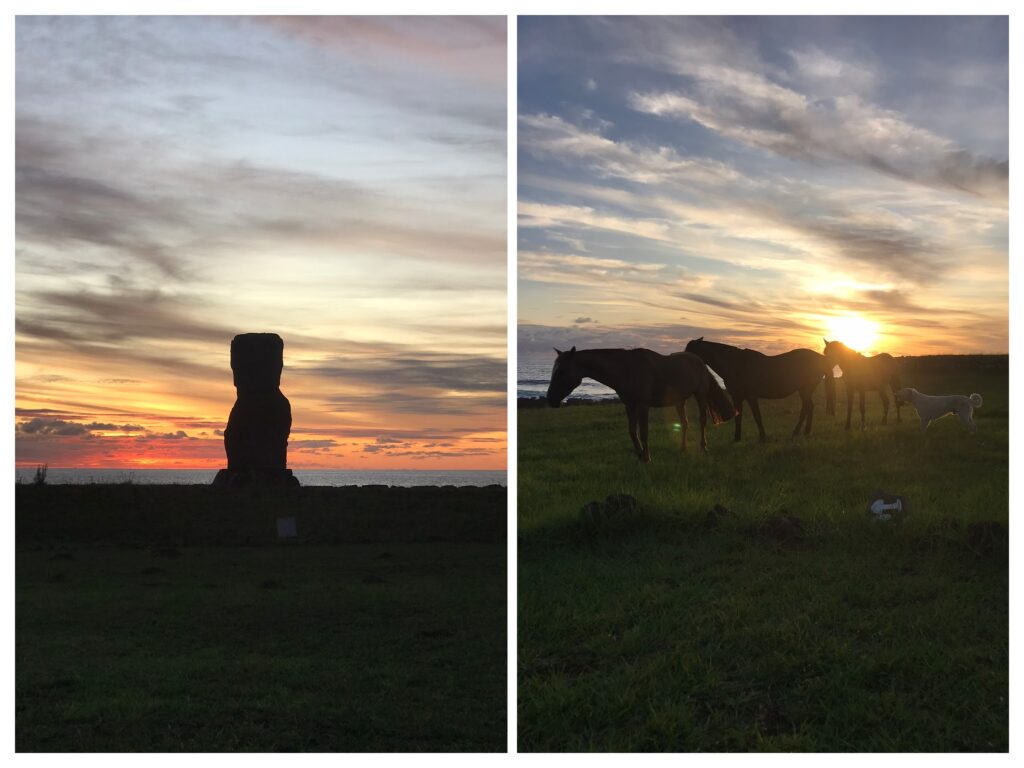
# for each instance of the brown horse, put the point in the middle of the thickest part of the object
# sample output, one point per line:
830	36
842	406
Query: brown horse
862	373
749	375
644	379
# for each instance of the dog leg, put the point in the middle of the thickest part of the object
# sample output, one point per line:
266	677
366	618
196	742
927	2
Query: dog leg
965	416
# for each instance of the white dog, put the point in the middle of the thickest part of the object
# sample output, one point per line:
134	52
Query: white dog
932	407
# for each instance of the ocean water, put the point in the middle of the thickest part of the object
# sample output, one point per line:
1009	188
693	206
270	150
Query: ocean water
533	377
329	477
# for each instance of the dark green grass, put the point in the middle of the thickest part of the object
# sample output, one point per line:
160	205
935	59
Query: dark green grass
662	629
144	637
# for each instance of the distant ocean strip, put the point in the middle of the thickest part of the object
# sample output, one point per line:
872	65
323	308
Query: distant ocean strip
328	477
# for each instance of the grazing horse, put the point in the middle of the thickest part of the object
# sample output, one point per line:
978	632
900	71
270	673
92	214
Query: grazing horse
863	373
643	379
749	374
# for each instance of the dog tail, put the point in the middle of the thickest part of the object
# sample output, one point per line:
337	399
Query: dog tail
830	390
976	400
719	405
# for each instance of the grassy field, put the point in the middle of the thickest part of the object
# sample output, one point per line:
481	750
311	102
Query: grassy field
170	619
789	619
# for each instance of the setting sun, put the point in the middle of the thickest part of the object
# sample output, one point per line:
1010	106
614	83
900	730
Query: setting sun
855	331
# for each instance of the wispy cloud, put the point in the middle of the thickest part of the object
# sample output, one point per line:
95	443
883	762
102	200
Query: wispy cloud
749	108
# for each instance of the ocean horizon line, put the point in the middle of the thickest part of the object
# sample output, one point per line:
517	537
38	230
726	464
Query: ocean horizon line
26	475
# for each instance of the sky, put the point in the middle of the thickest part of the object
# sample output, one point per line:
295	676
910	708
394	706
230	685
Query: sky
338	181
763	182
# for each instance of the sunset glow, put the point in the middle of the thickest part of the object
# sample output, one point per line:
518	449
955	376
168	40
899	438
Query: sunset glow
338	181
854	331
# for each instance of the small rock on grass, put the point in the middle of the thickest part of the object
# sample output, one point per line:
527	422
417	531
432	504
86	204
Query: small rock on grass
782	528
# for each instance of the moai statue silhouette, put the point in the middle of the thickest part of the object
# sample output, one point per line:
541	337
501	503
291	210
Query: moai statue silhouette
256	438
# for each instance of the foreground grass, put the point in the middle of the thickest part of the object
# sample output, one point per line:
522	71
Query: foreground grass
666	628
148	637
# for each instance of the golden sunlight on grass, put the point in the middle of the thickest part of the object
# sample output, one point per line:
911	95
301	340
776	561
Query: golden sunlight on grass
855	331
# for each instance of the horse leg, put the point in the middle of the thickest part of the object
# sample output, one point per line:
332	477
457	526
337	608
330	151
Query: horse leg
631	413
885	406
899	404
849	403
755	408
702	408
738	418
810	411
681	412
642	411
861	400
803	415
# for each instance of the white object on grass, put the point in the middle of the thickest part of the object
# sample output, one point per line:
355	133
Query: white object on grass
286	528
882	510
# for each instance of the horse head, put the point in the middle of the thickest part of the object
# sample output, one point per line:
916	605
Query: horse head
565	377
696	346
831	349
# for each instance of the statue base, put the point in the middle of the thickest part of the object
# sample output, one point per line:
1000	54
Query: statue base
247	478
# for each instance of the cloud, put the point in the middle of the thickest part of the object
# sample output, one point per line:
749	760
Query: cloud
116	316
465	47
585	269
583	320
749	108
313	447
40	426
823	69
62	428
547	135
800	219
62	209
101	427
444	371
69	191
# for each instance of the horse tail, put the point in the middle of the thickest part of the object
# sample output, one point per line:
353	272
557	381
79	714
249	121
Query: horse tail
719	405
830	390
976	400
